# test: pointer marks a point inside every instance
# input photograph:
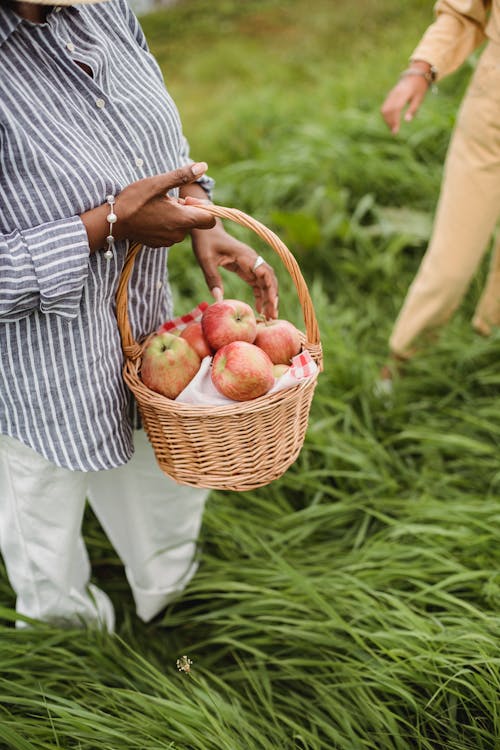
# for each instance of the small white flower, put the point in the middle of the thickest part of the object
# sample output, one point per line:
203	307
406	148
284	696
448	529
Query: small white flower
184	664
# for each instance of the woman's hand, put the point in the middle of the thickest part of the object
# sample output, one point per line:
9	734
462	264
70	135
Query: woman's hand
147	215
411	91
216	248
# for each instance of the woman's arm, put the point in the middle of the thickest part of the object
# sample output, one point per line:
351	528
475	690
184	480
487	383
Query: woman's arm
146	214
45	267
457	31
215	248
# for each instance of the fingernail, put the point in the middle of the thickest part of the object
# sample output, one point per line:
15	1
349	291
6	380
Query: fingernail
199	168
216	293
408	117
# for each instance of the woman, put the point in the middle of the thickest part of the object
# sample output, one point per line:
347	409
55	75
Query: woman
469	204
90	144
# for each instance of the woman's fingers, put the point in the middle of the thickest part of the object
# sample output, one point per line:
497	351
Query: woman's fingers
260	276
414	105
217	249
217	293
162	183
147	213
392	108
410	91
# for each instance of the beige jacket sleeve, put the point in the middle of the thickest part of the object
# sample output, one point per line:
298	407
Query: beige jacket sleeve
458	30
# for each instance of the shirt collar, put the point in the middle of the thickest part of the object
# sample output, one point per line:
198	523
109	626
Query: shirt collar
9	21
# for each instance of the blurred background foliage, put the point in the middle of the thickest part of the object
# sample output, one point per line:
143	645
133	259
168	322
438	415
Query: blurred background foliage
284	103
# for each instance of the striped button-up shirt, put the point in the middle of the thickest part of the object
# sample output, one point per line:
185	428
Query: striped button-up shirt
67	140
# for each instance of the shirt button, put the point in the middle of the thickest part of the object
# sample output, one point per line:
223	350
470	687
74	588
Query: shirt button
100	103
70	47
57	9
159	284
139	162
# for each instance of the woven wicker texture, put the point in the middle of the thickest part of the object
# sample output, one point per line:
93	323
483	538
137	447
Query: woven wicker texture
235	447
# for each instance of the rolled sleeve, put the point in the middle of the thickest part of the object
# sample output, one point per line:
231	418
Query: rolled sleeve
206	182
458	30
44	268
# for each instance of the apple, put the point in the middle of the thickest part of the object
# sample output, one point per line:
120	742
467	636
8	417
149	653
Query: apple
193	334
169	363
279	370
241	371
279	339
227	321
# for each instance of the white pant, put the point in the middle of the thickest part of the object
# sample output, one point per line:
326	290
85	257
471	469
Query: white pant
152	522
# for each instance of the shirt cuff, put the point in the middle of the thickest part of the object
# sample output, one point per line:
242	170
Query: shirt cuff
208	184
59	252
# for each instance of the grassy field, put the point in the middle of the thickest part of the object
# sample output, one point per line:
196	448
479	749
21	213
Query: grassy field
355	603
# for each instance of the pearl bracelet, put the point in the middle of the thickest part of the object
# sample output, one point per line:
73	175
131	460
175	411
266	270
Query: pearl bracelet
111	219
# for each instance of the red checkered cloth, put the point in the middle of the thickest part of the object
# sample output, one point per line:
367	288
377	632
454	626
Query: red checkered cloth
183	320
303	366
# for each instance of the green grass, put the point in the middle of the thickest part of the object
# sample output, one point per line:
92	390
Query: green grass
353	604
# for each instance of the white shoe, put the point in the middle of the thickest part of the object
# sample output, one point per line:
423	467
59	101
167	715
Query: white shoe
383	389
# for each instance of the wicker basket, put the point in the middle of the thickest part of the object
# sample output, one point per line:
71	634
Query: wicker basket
234	447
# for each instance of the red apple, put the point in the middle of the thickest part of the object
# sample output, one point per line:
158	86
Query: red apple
279	339
227	321
279	370
194	336
169	363
242	371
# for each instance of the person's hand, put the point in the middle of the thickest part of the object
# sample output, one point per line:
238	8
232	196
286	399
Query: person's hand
216	248
410	91
146	214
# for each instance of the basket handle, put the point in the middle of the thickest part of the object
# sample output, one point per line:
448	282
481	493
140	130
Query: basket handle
132	349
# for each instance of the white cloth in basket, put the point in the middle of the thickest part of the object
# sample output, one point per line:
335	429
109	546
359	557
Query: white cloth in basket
201	390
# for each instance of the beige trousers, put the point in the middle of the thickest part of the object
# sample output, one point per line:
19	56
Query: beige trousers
466	216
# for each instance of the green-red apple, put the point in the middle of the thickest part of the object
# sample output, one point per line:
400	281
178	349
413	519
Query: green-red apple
279	370
169	363
242	371
195	337
227	321
279	339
